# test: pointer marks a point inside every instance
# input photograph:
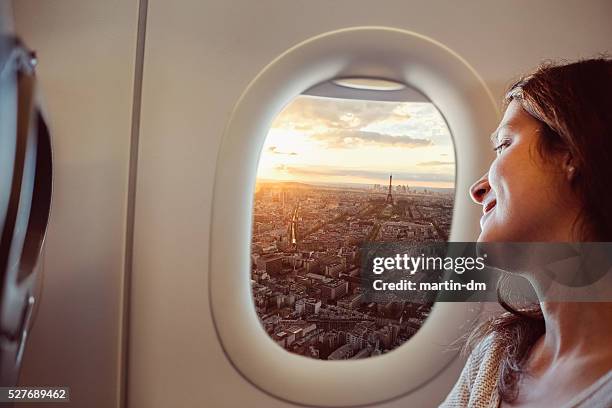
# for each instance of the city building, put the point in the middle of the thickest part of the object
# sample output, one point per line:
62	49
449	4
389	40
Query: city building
334	289
271	264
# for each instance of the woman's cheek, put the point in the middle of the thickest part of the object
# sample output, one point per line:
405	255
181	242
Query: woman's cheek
495	172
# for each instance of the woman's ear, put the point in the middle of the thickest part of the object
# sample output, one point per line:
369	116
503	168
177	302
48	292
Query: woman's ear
569	168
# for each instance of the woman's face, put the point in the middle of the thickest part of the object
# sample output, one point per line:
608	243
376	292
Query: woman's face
524	197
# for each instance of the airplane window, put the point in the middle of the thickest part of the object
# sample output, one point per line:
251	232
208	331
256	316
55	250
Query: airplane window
345	164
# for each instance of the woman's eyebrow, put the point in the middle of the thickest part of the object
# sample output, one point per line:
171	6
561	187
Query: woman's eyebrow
495	135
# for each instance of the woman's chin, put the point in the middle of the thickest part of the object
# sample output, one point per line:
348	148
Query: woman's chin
495	230
486	235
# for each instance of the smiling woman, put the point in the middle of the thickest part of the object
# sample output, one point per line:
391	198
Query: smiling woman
548	184
323	190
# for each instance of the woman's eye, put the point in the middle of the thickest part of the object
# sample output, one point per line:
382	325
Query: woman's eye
500	147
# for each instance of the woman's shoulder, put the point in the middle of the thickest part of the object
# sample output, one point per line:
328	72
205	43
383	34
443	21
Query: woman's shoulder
598	395
489	348
477	384
485	359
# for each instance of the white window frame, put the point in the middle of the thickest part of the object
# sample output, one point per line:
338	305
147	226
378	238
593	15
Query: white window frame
471	113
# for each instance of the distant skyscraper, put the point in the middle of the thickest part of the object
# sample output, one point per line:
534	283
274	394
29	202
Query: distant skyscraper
390	194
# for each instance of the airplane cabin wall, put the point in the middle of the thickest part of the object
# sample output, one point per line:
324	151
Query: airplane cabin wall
7	25
199	57
86	52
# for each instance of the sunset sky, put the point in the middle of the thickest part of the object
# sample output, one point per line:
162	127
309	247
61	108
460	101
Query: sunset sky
316	139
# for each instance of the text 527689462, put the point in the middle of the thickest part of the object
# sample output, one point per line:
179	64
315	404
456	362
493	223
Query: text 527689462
34	394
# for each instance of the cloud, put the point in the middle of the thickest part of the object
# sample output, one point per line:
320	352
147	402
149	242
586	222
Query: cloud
353	138
272	150
401	124
309	113
320	116
436	163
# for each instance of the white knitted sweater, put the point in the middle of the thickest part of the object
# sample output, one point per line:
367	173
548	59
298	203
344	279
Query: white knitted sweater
477	385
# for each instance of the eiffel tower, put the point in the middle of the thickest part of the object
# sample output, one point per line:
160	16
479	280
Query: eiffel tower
389	194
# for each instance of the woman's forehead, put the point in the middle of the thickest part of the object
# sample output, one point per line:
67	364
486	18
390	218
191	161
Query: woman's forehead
516	118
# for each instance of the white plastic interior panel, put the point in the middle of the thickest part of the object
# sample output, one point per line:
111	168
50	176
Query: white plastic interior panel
333	90
470	111
86	53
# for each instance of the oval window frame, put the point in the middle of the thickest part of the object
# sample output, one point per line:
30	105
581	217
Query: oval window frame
469	109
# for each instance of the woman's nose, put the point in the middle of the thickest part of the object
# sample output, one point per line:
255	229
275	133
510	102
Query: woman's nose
480	188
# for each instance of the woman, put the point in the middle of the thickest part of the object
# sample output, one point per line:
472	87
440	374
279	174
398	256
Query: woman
551	182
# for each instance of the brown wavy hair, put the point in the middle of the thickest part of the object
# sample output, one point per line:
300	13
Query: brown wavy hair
573	103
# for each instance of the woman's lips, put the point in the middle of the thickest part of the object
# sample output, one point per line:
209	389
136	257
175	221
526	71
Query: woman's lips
486	209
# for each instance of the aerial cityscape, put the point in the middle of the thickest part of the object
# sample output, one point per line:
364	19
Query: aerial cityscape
306	254
305	264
